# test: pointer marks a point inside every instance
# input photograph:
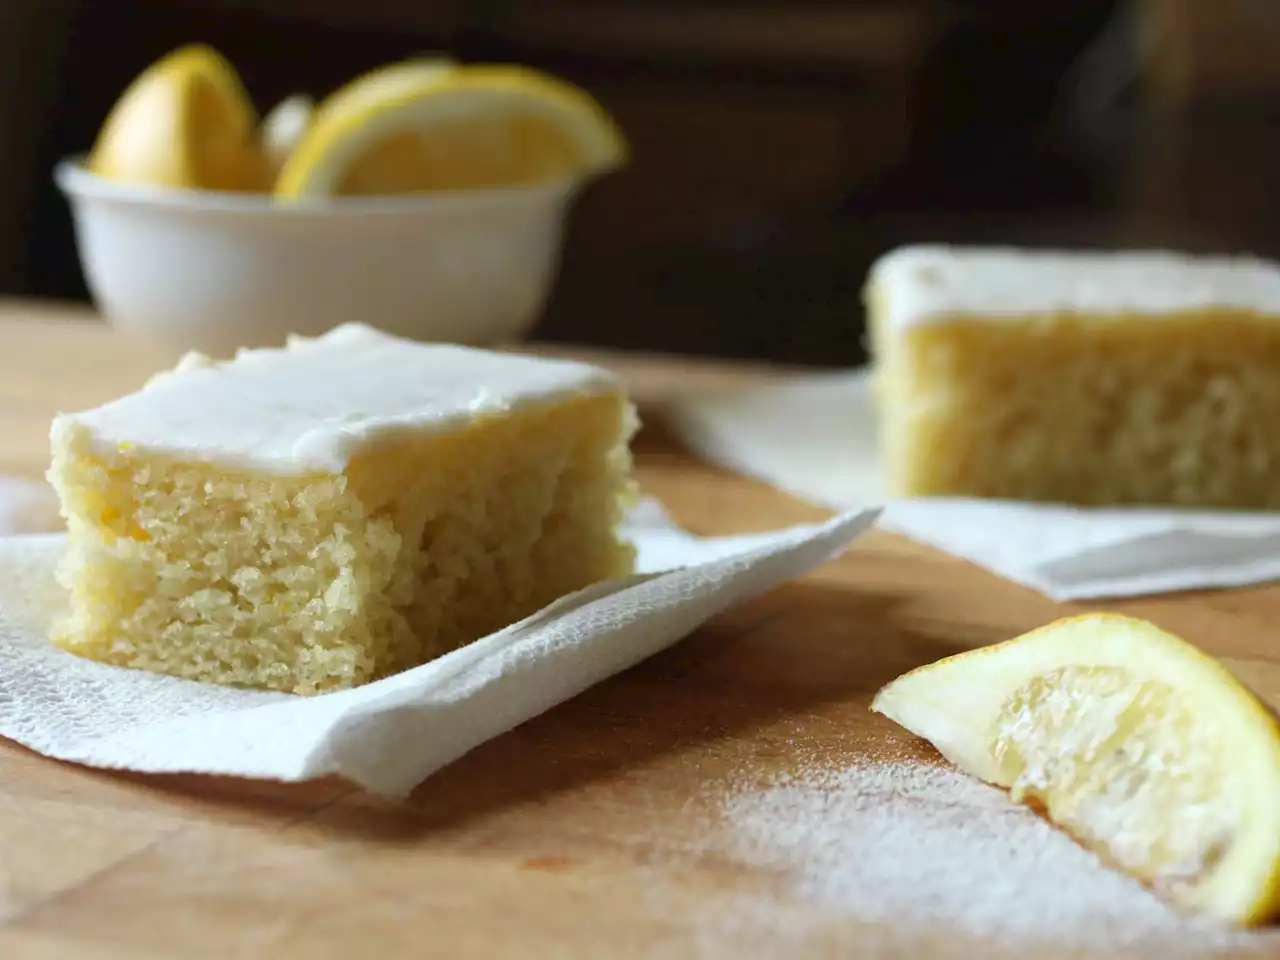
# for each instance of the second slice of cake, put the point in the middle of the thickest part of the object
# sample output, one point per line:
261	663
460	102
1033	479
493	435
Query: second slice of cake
1130	377
311	518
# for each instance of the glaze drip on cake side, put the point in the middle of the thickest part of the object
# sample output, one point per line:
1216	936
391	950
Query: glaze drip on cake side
926	284
311	405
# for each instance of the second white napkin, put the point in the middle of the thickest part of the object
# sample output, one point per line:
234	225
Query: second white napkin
815	437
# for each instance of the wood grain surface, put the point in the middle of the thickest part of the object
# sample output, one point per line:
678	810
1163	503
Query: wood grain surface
580	834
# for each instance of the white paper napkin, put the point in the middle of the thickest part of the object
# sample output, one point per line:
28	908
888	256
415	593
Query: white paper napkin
386	736
815	437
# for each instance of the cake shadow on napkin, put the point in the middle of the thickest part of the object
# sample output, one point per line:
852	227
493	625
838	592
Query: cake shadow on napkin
389	735
815	437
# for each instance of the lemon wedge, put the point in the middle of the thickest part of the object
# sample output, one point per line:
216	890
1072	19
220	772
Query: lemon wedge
184	122
451	128
1134	742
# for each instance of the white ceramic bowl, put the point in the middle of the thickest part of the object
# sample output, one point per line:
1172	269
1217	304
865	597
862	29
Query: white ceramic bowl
194	270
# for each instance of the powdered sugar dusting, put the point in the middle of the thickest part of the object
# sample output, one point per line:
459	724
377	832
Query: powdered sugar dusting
918	846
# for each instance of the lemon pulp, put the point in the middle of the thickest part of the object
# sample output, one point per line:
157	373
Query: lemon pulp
1117	763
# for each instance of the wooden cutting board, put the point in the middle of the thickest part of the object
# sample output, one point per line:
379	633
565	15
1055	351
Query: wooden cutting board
584	833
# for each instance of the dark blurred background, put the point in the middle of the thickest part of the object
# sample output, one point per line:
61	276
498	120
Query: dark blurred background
778	146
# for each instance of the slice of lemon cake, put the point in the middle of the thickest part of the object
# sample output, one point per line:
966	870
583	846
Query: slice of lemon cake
313	517
1080	377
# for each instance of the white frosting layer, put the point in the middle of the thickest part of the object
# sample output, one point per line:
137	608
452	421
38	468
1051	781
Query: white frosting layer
312	404
929	284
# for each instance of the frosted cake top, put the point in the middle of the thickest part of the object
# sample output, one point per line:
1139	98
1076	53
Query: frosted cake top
313	403
931	283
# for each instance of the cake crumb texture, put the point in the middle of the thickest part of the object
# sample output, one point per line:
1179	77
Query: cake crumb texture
426	541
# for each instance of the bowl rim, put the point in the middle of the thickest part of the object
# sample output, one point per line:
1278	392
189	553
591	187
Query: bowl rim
77	182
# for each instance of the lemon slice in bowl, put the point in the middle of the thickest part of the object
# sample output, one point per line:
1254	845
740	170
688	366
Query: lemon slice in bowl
285	125
462	127
184	122
384	83
287	122
1143	748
